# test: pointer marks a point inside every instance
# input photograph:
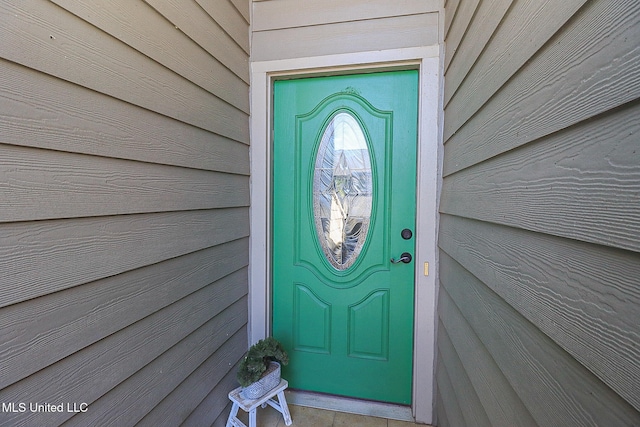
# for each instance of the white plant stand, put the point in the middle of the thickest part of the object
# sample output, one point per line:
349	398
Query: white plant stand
250	405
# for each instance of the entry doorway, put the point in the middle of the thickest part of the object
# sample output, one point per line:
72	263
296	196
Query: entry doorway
343	210
427	61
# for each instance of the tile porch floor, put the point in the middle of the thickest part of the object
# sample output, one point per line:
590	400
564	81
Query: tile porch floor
310	417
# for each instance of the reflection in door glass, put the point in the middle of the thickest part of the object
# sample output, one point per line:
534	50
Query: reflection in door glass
342	191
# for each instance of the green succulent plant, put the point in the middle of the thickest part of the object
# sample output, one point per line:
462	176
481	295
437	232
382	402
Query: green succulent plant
257	360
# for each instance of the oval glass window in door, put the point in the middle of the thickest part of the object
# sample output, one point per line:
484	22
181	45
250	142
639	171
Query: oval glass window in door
342	190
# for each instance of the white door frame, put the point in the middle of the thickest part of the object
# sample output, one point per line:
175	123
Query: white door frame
427	61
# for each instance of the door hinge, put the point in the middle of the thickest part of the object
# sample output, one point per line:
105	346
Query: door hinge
426	268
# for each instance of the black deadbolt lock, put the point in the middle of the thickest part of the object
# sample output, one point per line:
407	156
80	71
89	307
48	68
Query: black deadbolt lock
406	234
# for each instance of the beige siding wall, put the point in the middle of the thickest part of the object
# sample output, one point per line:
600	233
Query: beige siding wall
285	29
540	227
124	131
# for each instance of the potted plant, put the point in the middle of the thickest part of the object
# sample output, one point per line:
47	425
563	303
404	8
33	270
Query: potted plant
259	371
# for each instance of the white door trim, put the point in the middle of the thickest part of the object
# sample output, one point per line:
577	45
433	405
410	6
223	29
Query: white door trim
427	61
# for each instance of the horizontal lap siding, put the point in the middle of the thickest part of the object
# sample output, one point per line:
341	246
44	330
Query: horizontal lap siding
588	68
124	161
591	168
73	49
540	212
45	112
284	30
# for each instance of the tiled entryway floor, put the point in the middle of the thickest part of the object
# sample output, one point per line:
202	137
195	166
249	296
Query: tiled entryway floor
310	417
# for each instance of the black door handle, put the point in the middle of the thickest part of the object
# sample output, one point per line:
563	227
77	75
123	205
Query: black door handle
405	257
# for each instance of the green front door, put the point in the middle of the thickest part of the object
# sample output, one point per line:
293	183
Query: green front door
344	179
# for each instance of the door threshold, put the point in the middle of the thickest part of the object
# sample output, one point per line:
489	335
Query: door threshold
349	405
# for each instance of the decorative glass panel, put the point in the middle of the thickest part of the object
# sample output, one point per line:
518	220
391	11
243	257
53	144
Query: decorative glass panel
342	191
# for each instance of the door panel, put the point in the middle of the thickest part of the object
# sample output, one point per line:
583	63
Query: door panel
369	327
344	177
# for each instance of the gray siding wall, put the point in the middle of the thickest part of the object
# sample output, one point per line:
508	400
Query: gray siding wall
283	29
539	319
124	131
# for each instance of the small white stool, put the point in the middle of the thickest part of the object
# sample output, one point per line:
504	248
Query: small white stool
250	405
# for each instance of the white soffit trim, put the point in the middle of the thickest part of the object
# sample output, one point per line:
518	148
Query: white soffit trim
347	61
